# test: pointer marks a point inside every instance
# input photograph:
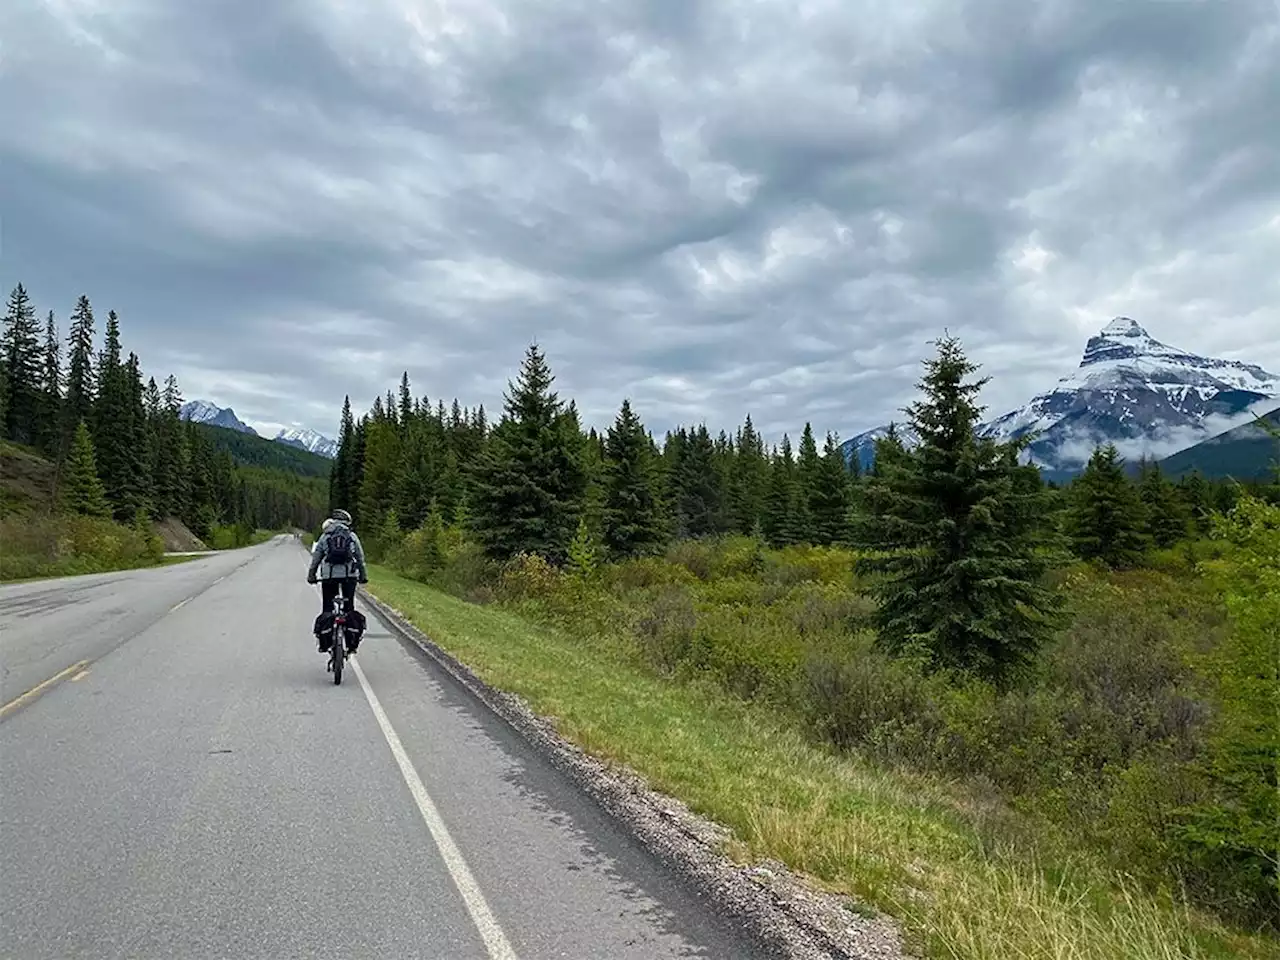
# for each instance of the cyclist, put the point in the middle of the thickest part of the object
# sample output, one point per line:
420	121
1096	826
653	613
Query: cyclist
337	563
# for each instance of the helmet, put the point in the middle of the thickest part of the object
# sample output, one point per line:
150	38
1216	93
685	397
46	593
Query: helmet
341	516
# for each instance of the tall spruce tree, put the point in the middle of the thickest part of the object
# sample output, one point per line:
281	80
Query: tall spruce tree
1105	517
376	495
1195	493
808	478
81	386
593	465
341	485
748	480
781	523
81	491
529	483
831	496
958	528
1168	519
632	520
51	388
111	424
406	401
23	369
699	498
141	480
415	482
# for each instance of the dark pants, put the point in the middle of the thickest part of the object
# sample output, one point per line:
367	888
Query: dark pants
329	592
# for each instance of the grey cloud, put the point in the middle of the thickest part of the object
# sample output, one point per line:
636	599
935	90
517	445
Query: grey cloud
711	208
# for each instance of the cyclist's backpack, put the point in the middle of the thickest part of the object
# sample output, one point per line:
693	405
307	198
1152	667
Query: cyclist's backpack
338	549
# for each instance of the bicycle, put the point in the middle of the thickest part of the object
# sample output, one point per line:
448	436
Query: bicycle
338	651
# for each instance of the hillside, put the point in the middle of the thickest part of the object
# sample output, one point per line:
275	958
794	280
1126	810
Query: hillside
254	451
1246	452
26	479
26	487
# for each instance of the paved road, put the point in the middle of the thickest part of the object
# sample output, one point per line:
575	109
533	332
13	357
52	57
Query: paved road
200	788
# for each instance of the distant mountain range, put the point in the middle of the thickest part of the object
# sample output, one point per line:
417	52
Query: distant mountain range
202	411
1146	397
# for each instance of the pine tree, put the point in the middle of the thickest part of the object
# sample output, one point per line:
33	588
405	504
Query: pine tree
808	478
749	480
82	491
51	388
376	495
141	480
81	388
632	520
415	482
451	488
831	497
593	465
172	399
698	499
529	484
583	558
1105	517
1199	502
173	464
781	521
959	528
406	403
1168	519
341	485
23	369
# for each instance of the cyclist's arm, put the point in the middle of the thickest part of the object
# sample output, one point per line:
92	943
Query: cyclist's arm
317	551
358	550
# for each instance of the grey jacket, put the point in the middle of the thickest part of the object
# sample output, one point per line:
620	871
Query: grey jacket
340	571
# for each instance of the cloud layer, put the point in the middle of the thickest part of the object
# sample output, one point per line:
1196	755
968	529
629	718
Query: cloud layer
713	208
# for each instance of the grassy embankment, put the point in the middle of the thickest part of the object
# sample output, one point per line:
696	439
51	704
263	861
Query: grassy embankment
36	544
993	824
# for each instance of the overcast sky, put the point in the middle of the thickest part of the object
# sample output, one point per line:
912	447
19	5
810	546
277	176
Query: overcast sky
712	207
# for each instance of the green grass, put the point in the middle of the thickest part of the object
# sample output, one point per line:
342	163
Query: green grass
173	561
230	537
957	870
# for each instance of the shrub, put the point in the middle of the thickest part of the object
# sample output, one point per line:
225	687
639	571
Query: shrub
528	576
865	699
668	627
43	546
644	573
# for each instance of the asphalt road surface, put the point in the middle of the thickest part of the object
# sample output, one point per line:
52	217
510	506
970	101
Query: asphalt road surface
180	778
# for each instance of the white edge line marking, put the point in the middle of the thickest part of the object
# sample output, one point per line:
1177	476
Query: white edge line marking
494	939
179	605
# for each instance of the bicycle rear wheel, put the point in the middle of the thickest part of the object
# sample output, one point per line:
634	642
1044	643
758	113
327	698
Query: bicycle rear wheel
337	653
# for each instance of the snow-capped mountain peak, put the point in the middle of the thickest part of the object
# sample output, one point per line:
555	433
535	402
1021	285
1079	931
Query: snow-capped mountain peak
1132	390
1124	327
308	440
202	411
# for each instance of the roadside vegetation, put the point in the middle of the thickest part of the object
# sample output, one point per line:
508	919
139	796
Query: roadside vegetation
1026	721
97	470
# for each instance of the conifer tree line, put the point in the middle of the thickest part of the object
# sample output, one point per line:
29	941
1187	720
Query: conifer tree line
527	483
120	446
536	479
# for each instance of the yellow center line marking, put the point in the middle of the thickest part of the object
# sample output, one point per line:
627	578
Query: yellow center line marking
80	676
39	688
178	606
